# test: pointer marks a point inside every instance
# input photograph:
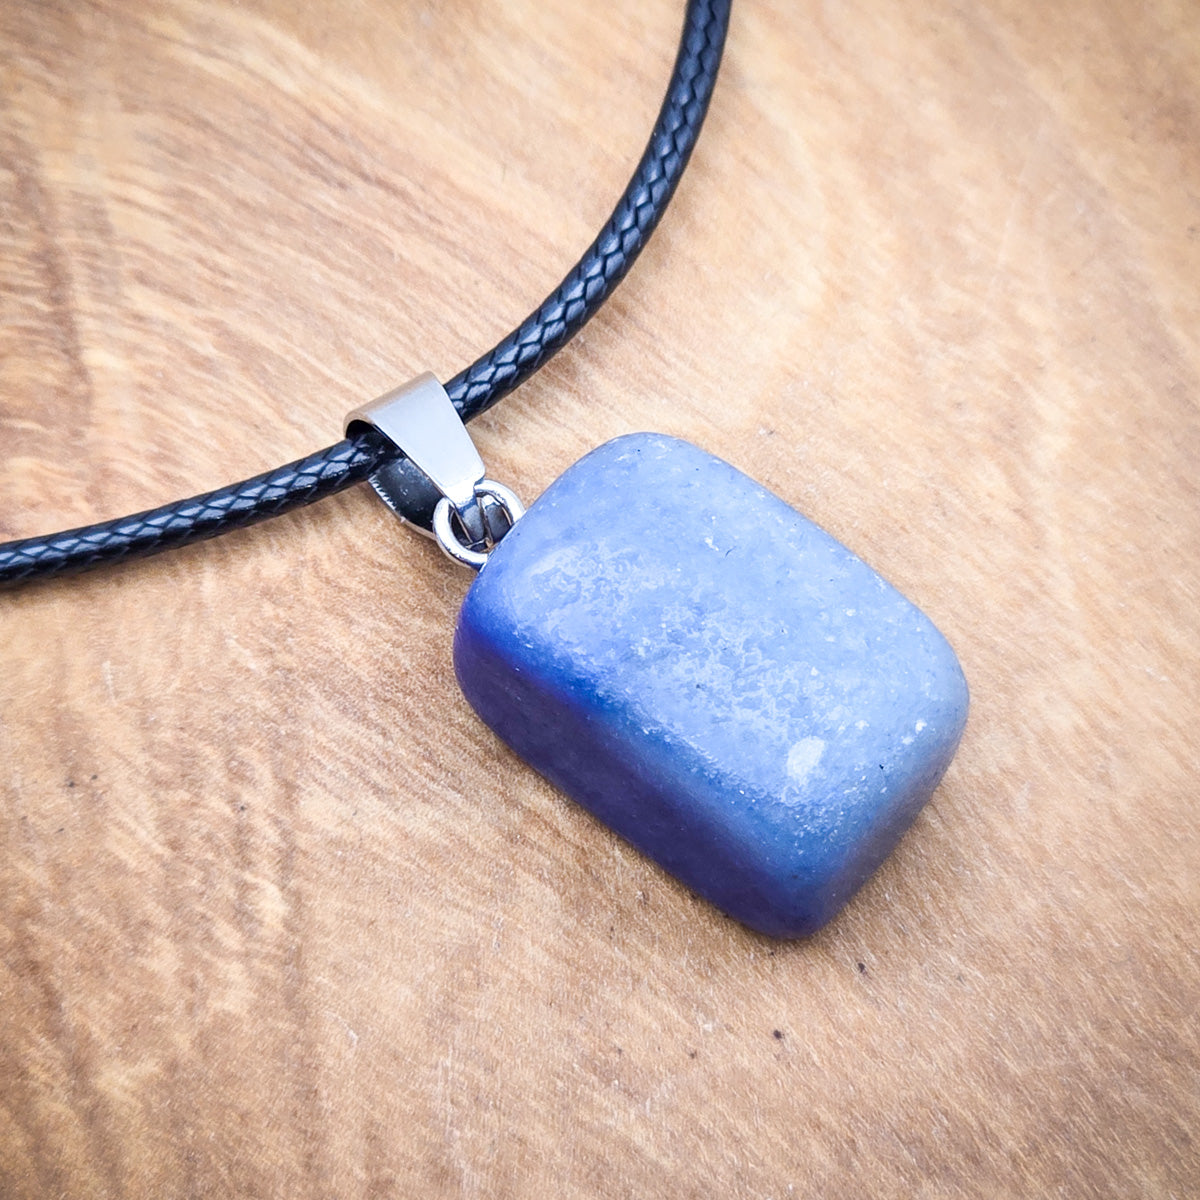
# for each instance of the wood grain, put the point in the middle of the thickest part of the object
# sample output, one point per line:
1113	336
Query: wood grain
277	916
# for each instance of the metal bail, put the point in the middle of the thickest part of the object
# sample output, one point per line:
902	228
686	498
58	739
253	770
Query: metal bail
439	484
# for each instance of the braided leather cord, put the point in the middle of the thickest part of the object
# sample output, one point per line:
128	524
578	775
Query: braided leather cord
549	327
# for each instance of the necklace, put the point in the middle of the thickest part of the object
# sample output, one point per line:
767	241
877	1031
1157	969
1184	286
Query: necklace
712	675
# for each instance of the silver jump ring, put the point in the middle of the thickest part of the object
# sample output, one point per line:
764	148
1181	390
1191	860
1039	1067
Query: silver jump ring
448	539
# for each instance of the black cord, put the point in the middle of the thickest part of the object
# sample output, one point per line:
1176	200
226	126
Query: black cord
555	321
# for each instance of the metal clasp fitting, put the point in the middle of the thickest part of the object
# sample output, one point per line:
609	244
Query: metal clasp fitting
438	484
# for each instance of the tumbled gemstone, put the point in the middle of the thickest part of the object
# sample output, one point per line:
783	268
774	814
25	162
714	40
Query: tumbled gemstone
715	677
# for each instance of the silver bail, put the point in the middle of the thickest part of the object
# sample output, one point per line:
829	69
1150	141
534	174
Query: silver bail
438	484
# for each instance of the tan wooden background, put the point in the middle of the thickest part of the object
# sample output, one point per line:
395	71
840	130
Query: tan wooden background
278	917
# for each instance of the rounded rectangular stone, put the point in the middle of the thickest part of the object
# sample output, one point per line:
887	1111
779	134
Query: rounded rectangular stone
713	676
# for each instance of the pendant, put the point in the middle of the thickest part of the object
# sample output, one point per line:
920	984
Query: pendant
708	672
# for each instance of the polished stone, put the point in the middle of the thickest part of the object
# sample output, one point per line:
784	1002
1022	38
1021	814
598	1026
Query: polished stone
713	676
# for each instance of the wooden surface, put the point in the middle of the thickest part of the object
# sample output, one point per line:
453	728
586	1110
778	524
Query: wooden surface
278	917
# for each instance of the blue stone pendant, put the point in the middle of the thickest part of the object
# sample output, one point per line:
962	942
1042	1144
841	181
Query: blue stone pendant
714	677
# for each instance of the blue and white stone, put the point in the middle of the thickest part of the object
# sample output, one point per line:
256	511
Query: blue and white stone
713	676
